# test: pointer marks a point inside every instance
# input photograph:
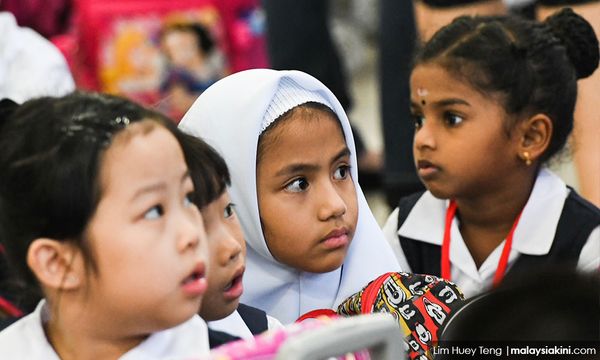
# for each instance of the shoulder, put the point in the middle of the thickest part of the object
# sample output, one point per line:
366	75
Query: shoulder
274	323
588	216
400	213
217	338
578	216
575	202
184	341
247	310
25	339
255	319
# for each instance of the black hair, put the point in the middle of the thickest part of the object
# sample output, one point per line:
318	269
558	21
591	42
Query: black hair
265	138
204	39
533	66
548	304
7	107
208	170
50	155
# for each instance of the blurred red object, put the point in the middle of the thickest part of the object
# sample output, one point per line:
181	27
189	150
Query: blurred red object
47	17
115	45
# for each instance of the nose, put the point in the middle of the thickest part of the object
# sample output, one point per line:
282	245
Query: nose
332	204
190	231
230	248
424	137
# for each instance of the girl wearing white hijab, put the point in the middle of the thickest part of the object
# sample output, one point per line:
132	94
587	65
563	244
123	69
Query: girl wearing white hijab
312	239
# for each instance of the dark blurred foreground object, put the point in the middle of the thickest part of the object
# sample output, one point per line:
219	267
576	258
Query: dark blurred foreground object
552	305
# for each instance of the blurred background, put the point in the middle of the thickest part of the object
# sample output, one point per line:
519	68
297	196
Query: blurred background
164	53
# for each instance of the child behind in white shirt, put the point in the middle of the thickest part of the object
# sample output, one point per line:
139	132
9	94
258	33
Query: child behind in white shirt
228	319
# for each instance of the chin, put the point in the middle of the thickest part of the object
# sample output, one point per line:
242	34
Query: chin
175	321
325	267
219	312
438	193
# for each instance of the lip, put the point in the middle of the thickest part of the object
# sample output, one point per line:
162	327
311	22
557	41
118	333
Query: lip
195	283
235	288
427	170
336	238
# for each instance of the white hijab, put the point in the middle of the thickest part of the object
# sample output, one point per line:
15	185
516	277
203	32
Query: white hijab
229	116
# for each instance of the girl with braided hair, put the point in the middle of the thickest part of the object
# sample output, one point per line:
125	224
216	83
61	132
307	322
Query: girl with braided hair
492	100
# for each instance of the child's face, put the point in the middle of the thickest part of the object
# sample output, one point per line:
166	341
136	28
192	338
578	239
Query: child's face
307	199
461	147
146	236
227	253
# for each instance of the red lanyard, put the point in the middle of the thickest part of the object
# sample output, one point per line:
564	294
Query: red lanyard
446	274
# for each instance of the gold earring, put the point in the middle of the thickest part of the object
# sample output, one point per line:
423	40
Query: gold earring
526	158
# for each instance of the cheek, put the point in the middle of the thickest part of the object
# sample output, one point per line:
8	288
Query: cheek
280	230
273	231
213	251
239	235
272	210
350	198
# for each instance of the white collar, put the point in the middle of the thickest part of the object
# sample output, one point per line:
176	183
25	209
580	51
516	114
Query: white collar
232	324
186	340
27	338
534	234
228	115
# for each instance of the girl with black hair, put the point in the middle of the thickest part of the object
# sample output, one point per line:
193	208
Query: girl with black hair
96	211
492	100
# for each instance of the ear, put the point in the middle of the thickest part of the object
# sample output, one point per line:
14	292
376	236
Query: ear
534	137
56	264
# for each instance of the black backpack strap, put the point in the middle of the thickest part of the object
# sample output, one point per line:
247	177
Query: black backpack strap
577	221
217	338
423	258
255	319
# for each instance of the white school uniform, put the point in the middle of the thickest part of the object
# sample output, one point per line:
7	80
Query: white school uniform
533	236
235	325
25	339
230	116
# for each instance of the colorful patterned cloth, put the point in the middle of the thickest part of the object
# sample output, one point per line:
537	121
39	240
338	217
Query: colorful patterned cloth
420	303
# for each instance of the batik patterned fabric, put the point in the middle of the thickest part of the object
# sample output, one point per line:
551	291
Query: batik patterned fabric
420	303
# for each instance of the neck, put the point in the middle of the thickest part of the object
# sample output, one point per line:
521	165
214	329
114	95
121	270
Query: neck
75	332
486	219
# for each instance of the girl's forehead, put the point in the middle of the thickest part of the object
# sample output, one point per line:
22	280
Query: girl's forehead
137	128
145	153
300	132
429	74
300	123
430	81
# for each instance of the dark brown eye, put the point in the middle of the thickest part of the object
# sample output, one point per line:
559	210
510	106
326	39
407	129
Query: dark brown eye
229	210
298	185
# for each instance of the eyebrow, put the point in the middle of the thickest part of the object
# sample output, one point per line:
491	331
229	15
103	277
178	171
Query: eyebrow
441	103
303	167
160	186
